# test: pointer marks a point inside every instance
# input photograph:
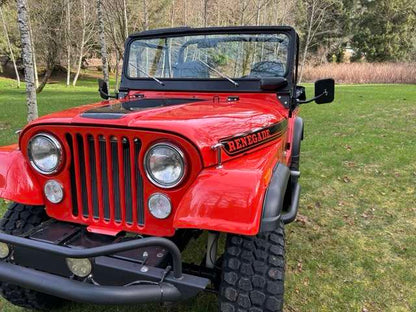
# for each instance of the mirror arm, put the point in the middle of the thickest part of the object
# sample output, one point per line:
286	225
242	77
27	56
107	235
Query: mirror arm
312	99
111	96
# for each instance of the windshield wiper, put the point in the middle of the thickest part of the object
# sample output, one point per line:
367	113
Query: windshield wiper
147	74
235	83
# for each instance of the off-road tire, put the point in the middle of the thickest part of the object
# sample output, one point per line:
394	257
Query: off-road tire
253	273
17	220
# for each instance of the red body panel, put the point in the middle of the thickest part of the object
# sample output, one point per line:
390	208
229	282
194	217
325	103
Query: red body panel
204	123
230	199
17	182
225	199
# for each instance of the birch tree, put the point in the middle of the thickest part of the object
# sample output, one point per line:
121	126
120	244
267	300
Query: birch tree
87	24
9	46
103	45
126	21
68	43
205	13
22	18
35	67
316	14
185	12
145	15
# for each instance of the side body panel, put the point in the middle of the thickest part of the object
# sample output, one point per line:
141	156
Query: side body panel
17	182
230	199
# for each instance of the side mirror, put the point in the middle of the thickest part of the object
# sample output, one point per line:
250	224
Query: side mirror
103	89
300	93
324	91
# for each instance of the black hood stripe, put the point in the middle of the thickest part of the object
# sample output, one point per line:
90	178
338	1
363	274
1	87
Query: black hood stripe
241	143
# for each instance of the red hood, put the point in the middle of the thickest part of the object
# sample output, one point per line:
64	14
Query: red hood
204	121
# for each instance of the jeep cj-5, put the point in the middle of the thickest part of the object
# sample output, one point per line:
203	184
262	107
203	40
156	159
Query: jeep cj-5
203	137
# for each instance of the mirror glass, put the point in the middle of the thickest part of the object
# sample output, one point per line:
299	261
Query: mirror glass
103	89
324	90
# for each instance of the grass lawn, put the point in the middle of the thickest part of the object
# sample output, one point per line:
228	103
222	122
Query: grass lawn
354	246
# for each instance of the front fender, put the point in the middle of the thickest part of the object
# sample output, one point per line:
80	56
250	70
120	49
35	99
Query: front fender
229	199
17	182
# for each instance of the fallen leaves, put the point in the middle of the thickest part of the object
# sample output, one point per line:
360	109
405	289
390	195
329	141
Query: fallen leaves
302	219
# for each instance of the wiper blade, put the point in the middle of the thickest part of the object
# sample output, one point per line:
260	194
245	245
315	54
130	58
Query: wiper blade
146	73
235	83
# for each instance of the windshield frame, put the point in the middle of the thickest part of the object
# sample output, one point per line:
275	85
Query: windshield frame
204	84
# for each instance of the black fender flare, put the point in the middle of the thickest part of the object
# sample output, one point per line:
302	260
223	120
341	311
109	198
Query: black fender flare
296	141
274	198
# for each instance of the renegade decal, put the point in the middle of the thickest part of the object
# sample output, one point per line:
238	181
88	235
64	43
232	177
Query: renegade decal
240	143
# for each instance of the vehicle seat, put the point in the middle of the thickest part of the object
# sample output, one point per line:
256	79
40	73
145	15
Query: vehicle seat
267	69
191	69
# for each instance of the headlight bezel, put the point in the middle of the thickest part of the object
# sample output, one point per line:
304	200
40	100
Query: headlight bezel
151	177
58	146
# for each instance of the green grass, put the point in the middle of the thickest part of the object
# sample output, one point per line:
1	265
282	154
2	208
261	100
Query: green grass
354	248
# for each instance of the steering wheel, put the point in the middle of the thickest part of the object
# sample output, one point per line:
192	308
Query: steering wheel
266	69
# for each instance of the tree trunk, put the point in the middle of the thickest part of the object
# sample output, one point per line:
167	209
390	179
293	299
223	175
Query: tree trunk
145	16
307	41
101	31
172	14
126	21
22	18
35	67
9	46
68	44
51	59
205	13
185	12
45	79
79	65
81	49
117	71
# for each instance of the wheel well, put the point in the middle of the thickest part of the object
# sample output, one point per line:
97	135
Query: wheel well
296	142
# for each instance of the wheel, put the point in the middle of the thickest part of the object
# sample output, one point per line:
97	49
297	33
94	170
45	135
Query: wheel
20	219
253	273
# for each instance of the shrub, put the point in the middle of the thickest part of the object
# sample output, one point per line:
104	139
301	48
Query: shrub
363	72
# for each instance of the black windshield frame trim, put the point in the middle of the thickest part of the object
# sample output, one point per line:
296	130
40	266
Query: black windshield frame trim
212	84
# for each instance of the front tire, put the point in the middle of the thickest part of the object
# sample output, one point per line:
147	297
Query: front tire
253	273
17	220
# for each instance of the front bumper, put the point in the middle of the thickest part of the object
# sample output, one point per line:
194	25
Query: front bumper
114	280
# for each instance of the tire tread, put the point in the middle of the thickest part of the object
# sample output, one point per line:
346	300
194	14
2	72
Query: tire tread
18	220
253	272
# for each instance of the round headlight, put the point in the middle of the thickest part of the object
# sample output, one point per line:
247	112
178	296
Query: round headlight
54	191
165	165
159	206
45	153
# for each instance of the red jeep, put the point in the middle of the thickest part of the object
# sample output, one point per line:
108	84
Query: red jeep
203	136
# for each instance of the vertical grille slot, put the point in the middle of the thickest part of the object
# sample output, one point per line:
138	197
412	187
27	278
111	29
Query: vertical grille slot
82	173
74	195
127	181
93	176
139	183
106	183
116	179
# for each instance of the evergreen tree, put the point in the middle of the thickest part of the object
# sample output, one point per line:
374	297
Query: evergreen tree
384	30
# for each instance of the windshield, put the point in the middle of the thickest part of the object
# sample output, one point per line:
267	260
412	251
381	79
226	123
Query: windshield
227	56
